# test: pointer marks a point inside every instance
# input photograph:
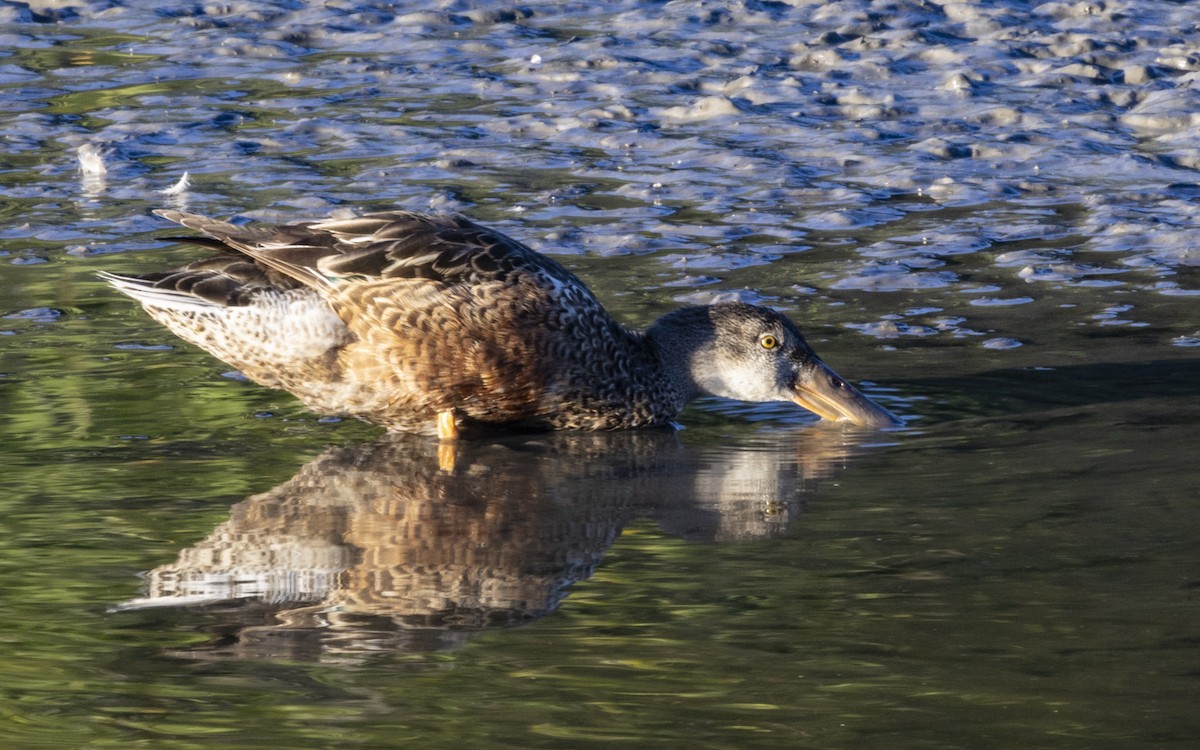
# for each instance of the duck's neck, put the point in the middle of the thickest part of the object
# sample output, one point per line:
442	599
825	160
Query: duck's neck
636	378
681	338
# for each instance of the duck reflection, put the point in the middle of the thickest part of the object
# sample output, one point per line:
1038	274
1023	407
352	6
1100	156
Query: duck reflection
405	544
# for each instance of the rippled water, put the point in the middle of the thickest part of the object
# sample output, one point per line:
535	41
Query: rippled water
986	211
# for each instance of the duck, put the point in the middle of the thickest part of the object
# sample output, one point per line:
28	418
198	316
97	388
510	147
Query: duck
434	324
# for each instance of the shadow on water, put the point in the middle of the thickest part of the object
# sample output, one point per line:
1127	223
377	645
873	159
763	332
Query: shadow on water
1015	391
401	544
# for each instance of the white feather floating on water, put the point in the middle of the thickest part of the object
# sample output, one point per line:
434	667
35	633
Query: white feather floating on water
91	161
91	170
179	188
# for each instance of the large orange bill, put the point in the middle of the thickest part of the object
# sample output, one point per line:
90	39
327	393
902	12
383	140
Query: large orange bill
823	392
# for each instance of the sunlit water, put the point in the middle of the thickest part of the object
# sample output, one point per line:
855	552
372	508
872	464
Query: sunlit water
986	211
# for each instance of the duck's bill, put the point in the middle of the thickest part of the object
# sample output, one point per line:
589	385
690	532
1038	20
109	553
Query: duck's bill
823	392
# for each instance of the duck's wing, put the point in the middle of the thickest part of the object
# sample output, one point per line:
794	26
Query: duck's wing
390	246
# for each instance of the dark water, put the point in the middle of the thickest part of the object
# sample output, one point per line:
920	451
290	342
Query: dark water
983	210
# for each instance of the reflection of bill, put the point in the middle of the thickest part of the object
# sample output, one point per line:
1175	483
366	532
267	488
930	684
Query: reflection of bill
391	545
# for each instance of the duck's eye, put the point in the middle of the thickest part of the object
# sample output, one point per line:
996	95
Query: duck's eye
768	341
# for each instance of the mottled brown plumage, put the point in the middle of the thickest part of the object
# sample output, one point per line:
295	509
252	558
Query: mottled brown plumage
432	323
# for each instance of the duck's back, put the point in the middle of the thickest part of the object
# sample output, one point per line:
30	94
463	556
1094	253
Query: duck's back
399	317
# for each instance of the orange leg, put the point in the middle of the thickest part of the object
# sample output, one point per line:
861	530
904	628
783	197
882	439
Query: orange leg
446	428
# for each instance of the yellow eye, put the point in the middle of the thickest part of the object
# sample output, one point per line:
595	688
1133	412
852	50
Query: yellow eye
768	342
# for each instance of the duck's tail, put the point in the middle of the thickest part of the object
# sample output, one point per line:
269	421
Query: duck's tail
144	291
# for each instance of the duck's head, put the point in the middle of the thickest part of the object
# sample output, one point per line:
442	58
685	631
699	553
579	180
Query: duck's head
751	353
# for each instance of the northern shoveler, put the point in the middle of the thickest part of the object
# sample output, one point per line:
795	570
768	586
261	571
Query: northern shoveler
428	323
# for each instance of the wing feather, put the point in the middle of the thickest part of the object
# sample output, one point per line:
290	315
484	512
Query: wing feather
392	245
